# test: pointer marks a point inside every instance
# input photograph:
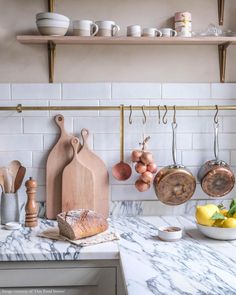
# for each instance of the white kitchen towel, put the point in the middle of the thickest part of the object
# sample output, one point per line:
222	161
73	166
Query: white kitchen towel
53	233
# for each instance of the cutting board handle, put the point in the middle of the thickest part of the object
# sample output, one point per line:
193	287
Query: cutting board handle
59	119
75	144
85	135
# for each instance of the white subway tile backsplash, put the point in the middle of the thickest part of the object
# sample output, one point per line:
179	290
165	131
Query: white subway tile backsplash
233	158
75	103
173	102
164	141
223	90
126	103
129	193
206	141
186	91
49	141
97	125
21	142
5	91
39	159
36	91
37	173
86	91
229	124
198	158
24	157
136	90
10	125
45	125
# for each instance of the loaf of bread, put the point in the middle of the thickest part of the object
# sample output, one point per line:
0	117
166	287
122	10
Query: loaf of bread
80	224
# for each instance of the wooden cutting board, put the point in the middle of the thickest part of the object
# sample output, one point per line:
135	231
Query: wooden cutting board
58	158
101	176
77	183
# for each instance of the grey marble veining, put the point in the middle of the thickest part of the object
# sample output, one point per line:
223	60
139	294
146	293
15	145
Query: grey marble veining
190	266
25	245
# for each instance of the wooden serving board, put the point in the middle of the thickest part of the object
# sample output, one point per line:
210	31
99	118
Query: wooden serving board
58	158
101	176
77	183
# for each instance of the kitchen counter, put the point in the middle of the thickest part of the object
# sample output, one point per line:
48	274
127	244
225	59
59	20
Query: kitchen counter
193	265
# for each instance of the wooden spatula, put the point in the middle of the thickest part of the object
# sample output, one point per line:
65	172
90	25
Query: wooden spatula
19	178
13	169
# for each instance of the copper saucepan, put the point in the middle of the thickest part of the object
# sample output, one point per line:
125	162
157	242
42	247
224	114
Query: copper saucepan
215	176
174	184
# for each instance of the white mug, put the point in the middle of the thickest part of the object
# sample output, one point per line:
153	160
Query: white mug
134	31
107	28
151	32
168	32
84	28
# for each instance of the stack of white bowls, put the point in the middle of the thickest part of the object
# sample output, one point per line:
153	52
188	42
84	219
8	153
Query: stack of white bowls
52	24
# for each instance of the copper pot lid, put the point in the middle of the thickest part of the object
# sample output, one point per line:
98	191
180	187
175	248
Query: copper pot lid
218	182
175	188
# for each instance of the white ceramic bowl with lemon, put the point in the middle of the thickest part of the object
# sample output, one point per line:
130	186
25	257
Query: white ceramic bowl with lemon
215	223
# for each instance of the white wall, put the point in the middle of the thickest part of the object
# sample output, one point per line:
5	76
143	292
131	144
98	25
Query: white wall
30	135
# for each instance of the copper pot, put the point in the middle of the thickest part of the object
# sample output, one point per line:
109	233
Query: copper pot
215	176
174	184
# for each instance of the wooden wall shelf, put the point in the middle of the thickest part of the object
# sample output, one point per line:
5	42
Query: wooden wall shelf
51	42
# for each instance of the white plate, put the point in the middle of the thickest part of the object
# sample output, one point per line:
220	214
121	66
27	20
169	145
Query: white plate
218	233
51	15
12	225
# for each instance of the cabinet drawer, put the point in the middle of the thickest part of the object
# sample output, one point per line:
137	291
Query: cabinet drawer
57	277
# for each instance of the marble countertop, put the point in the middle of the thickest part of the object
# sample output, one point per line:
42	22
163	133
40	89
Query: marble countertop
193	265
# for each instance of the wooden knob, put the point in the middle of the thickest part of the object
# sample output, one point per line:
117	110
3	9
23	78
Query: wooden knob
31	207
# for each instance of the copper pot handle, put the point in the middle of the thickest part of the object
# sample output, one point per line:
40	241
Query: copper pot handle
216	141
174	153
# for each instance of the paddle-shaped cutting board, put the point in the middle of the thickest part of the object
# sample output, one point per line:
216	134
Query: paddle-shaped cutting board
60	156
101	176
77	183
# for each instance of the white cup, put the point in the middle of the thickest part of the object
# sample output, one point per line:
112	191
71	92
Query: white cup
134	31
84	28
168	32
107	28
151	32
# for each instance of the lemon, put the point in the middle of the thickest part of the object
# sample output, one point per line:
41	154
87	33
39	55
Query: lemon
204	214
234	216
219	222
224	212
230	223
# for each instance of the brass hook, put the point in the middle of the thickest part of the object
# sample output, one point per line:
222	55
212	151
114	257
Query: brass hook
174	116
130	114
164	120
216	119
144	115
159	115
19	108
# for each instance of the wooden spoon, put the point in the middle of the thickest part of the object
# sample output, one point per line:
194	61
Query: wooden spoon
7	180
122	171
2	182
13	168
19	178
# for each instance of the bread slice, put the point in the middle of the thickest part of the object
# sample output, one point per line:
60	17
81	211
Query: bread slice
81	223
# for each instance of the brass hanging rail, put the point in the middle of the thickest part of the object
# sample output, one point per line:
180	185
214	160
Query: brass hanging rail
20	108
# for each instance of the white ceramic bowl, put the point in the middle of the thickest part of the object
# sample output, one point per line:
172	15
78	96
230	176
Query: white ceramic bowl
169	233
52	27
52	23
51	15
218	233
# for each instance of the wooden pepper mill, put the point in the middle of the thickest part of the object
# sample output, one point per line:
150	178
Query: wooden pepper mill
31	208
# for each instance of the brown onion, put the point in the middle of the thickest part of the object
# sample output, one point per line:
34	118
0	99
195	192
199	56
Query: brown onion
147	158
140	168
152	167
135	156
141	186
147	177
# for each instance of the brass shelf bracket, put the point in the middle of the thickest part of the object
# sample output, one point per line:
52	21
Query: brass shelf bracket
222	48
51	60
50	5
221	8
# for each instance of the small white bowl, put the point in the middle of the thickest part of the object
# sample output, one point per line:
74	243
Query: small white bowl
12	225
218	233
170	233
52	15
52	23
